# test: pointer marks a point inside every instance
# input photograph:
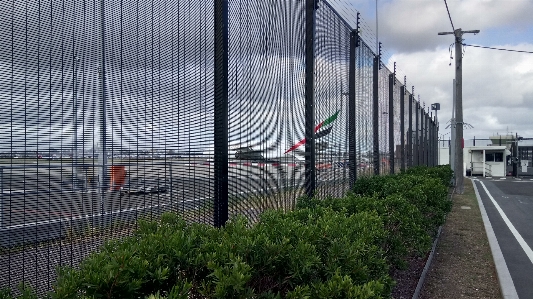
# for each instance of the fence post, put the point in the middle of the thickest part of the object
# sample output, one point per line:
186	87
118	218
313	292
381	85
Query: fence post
435	146
421	136
430	140
170	183
375	114
402	128
410	134
102	157
428	144
1	197
433	143
437	151
419	132
391	123
422	129
425	138
421	142
310	179
354	36
416	145
221	114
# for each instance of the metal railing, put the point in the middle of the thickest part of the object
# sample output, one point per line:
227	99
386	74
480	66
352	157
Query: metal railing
488	170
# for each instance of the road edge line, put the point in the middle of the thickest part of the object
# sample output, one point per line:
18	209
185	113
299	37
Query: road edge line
525	247
507	287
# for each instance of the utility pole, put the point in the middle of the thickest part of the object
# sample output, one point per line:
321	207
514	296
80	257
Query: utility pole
459	169
453	127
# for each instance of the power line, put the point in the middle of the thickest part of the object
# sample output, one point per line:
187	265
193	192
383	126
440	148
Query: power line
449	14
499	49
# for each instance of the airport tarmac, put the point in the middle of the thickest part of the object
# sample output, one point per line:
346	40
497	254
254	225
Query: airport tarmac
36	194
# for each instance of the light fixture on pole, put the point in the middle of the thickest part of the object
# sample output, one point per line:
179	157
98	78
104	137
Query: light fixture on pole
435	107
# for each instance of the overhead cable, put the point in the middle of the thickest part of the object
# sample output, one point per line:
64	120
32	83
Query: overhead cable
449	14
499	49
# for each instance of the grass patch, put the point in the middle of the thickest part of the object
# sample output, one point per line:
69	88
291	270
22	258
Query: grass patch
463	266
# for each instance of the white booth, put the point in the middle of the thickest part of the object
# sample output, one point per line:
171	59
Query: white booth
485	160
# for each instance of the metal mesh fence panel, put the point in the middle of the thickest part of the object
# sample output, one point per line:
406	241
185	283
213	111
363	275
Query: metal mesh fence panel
115	111
332	54
363	113
396	126
408	127
383	120
419	115
266	105
106	116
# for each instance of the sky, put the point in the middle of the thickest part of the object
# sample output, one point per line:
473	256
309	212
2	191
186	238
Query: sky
497	85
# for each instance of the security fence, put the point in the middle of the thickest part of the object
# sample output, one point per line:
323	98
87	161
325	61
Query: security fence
114	111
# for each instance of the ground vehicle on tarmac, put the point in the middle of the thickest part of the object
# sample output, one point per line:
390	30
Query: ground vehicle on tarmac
145	186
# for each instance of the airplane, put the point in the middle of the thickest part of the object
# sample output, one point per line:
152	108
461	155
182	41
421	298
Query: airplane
274	153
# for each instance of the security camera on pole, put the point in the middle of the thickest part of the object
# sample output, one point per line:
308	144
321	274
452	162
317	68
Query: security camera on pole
459	167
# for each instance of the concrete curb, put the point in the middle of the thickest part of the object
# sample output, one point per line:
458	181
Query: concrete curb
422	278
504	277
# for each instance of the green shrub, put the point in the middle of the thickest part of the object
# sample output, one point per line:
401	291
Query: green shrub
26	292
267	260
341	287
403	222
421	186
325	248
442	172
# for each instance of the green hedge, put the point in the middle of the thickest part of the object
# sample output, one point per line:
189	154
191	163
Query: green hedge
303	253
425	188
329	248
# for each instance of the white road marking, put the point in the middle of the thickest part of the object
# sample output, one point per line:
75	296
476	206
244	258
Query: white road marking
511	227
15	191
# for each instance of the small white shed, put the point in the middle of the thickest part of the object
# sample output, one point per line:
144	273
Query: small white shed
486	160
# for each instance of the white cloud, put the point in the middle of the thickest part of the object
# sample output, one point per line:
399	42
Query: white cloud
412	25
497	87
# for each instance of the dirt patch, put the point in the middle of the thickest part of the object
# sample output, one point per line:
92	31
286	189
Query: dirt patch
407	279
463	266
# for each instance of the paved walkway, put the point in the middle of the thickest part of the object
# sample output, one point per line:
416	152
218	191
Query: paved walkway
508	204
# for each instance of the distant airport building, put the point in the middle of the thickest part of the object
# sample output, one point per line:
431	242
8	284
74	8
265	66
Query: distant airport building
493	156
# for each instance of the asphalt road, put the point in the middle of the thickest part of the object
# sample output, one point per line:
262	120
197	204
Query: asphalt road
510	211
